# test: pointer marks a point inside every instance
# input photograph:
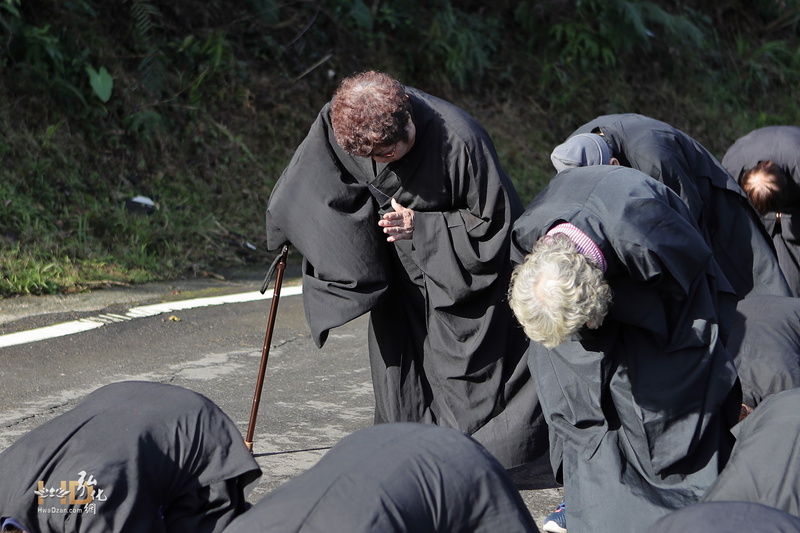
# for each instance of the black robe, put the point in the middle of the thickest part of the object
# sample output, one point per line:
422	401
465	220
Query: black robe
765	343
444	347
781	145
727	517
765	464
639	409
158	458
401	478
731	226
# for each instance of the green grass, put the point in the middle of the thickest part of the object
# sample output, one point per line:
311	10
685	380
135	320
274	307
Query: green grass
62	204
206	131
34	273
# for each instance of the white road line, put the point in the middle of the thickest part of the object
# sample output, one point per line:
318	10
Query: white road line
86	324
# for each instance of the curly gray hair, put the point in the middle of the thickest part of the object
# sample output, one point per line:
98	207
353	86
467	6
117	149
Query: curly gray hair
557	290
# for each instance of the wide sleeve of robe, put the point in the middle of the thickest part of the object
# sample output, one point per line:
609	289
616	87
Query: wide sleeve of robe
331	219
765	464
765	343
727	516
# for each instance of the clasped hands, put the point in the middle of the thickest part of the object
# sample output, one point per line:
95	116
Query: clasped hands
399	224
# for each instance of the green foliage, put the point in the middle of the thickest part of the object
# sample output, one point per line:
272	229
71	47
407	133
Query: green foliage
28	274
361	15
101	81
461	43
152	68
210	56
603	34
11	6
759	65
266	10
199	105
34	273
143	124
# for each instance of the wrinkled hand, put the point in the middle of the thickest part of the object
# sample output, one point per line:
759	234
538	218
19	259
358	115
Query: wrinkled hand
399	225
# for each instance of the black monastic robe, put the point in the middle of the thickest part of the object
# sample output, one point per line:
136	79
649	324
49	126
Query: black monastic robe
395	478
765	344
132	457
731	226
444	346
727	517
639	409
765	464
781	145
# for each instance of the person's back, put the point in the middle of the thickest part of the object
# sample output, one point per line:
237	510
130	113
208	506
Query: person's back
639	407
723	213
727	517
765	343
131	457
766	163
765	464
395	478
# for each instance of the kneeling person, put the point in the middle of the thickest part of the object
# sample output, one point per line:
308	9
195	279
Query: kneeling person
131	457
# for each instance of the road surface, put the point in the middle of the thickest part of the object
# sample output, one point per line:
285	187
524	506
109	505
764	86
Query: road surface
206	335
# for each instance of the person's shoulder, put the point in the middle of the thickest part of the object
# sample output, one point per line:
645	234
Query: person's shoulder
442	118
449	112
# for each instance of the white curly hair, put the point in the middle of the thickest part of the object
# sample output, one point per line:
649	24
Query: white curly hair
557	290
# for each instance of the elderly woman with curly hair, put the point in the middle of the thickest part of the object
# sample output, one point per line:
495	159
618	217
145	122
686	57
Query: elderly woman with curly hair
398	204
618	291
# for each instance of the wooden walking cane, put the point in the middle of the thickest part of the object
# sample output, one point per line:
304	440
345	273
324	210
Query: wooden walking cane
280	262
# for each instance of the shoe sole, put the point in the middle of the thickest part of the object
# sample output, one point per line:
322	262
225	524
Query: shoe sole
552	527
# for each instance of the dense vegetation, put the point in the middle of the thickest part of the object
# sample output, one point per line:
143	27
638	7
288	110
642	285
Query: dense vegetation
199	104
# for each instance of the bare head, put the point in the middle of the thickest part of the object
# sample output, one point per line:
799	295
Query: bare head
371	116
764	184
557	290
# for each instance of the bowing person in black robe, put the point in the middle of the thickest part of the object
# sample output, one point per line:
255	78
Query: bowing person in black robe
411	223
132	457
765	464
395	478
766	163
765	344
727	517
640	400
729	223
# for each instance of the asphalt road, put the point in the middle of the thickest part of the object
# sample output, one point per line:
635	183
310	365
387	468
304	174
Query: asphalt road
311	397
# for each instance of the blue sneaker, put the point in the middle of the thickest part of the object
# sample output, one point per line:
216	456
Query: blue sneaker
556	522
